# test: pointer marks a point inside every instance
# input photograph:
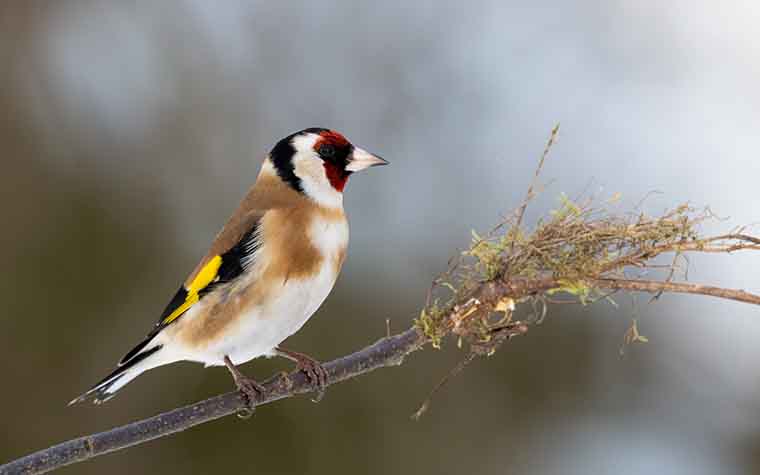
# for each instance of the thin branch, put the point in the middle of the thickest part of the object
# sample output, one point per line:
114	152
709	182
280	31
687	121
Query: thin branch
521	288
385	352
654	286
529	194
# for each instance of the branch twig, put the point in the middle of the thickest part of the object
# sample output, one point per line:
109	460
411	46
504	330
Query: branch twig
653	286
521	288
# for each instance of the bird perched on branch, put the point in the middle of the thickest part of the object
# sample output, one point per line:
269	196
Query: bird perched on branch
268	270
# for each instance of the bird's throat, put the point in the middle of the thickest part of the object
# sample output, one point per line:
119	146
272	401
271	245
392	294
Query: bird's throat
337	176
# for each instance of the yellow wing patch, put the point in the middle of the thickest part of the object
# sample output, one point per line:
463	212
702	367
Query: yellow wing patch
206	276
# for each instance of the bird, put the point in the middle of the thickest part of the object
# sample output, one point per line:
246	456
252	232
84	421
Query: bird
266	273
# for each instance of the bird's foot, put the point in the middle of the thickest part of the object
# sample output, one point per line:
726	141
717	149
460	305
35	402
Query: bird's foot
250	389
313	369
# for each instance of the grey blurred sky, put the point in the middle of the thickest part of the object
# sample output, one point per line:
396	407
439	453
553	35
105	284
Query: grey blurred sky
166	98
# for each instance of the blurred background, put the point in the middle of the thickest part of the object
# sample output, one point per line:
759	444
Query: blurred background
130	130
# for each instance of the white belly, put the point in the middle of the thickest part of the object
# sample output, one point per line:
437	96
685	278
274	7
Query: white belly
261	329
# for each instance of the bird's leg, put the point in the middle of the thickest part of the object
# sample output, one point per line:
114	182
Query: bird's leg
313	369
248	386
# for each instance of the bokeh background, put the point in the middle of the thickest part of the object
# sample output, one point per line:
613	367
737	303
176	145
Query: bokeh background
130	130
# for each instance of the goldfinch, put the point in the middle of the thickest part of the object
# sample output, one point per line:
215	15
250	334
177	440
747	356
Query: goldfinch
269	269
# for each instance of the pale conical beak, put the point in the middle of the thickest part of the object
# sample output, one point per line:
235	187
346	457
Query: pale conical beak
361	159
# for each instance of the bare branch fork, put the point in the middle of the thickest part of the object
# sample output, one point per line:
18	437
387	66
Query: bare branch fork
581	251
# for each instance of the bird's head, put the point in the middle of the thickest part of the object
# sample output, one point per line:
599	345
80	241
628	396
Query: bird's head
317	162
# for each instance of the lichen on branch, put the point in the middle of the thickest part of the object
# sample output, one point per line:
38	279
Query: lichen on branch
581	252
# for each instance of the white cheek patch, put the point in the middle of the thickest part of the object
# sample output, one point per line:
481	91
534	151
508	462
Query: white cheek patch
310	169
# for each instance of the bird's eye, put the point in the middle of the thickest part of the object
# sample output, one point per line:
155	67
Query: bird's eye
326	151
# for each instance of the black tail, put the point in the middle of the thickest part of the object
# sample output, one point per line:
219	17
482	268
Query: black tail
107	387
